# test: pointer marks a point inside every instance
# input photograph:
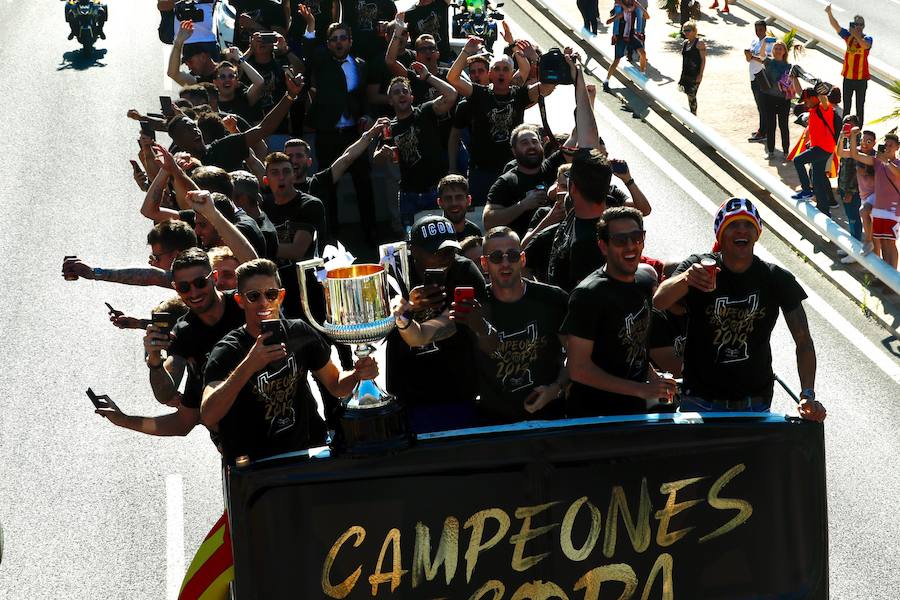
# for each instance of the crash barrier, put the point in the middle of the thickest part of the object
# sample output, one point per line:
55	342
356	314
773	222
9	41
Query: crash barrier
880	70
806	211
656	506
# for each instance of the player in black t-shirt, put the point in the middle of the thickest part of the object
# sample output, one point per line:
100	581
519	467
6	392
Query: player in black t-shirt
727	355
246	196
521	373
430	17
454	200
608	324
415	135
256	395
430	366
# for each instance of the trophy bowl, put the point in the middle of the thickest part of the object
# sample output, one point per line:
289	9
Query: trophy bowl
358	312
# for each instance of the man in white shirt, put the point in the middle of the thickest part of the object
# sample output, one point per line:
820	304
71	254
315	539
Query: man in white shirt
756	68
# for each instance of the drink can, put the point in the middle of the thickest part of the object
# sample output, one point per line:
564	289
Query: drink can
386	131
711	267
667	399
69	276
396	155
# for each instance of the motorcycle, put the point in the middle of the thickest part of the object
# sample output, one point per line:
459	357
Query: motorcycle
86	19
477	18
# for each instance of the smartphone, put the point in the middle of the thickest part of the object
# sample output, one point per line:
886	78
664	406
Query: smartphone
163	321
619	166
881	148
274	326
165	102
435	276
113	311
102	401
137	168
463	294
147	129
268	37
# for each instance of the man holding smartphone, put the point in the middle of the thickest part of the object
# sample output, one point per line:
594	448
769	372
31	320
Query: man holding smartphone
430	366
256	395
521	373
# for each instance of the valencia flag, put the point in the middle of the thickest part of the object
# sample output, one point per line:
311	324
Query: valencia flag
212	569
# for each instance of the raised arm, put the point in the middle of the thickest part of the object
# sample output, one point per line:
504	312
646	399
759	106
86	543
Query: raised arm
180	180
151	207
854	149
356	149
448	95
174	67
275	116
398	42
675	288
834	22
134	276
179	423
587	134
454	77
201	202
523	67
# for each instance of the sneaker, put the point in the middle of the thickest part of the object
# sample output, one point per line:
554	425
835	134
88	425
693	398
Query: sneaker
606	86
867	248
101	34
757	139
715	4
841	252
769	155
725	10
803	195
848	260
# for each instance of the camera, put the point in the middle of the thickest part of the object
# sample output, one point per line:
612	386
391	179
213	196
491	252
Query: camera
553	68
186	10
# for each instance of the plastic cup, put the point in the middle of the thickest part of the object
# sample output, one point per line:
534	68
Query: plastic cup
711	267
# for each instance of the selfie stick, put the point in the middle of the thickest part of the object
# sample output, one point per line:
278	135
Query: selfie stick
787	389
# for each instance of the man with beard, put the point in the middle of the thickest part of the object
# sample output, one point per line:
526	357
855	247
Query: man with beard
196	57
430	366
731	315
256	395
608	324
415	134
454	200
495	111
211	315
523	375
430	17
478	68
229	152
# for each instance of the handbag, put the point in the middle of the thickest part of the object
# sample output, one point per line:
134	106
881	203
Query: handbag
762	81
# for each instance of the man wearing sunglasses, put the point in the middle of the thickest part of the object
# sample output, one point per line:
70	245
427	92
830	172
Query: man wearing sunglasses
211	315
256	395
430	366
234	96
399	61
608	326
523	375
733	304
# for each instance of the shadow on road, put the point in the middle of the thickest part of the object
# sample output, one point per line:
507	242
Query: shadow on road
79	60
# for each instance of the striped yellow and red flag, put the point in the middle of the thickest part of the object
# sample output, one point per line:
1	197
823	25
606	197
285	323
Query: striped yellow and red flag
212	569
800	146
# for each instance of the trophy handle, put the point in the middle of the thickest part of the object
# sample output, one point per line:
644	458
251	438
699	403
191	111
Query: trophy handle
402	248
302	268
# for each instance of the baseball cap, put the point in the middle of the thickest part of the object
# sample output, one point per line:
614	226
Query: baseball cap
736	209
433	233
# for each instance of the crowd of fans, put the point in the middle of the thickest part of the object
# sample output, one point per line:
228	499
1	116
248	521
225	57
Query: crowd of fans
571	315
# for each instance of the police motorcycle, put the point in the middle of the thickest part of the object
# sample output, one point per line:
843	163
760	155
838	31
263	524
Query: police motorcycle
86	19
477	18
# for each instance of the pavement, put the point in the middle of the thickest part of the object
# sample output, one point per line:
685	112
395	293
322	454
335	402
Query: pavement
89	511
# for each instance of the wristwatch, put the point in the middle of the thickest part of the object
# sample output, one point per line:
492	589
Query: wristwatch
808	394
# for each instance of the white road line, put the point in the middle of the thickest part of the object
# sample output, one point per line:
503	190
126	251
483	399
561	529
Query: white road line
167	83
896	1
174	535
867	348
833	6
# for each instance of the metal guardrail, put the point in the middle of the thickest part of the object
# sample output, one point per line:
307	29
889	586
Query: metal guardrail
880	71
806	211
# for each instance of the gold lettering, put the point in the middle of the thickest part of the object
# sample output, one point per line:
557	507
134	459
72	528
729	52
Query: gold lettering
392	540
591	581
638	530
476	522
539	590
663	564
744	508
526	533
447	553
664	537
568	524
343	589
491	586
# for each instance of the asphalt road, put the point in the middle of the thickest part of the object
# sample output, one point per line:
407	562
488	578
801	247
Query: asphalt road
90	511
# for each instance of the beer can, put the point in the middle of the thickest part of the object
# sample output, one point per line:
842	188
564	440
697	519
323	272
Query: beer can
386	131
69	276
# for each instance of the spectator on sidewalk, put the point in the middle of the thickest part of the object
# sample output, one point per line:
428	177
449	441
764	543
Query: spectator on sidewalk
886	211
856	62
821	147
756	68
693	62
848	183
629	20
776	98
865	181
715	5
590	14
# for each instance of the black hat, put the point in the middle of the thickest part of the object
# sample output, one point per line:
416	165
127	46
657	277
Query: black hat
433	233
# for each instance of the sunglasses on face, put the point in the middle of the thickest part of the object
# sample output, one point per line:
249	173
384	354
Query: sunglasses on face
688	29
183	287
253	296
339	38
497	256
158	257
620	240
226	76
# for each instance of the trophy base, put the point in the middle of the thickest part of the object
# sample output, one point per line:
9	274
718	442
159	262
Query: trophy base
372	431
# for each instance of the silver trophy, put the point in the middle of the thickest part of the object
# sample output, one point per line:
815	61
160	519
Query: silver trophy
358	311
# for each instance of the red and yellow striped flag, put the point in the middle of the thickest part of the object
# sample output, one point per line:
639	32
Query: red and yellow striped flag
212	569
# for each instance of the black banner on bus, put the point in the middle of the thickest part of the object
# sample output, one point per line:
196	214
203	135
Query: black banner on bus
722	509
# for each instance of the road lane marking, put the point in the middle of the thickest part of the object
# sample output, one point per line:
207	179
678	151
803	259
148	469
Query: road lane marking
840	324
174	535
167	84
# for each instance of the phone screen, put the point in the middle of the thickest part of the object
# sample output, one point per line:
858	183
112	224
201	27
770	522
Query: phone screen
435	276
163	321
165	103
273	325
